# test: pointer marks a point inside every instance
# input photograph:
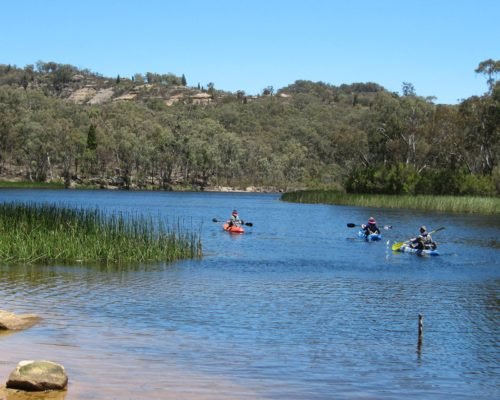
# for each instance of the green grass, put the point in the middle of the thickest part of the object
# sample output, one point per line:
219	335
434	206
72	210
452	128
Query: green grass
31	185
42	234
453	204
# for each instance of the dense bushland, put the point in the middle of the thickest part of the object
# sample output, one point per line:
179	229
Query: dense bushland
357	137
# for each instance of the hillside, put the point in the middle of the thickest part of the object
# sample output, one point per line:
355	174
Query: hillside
59	122
88	88
84	87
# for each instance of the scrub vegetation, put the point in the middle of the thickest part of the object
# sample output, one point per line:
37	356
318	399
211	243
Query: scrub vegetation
44	234
153	131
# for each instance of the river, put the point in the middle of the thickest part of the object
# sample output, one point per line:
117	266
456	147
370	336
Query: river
295	308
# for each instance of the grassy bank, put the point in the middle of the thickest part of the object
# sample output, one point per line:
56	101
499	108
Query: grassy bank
38	234
478	205
30	185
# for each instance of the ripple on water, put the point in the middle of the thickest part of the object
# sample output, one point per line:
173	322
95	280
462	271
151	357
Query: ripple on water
288	312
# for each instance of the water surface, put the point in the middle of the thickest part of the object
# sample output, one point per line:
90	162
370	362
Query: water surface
296	308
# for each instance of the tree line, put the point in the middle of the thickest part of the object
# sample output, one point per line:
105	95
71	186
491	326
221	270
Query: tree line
355	137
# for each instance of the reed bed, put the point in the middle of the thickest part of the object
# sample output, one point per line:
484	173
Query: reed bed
452	204
33	233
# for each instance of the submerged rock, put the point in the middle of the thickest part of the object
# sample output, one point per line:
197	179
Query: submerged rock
10	321
38	375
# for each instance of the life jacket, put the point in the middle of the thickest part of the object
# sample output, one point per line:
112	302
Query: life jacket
426	237
372	228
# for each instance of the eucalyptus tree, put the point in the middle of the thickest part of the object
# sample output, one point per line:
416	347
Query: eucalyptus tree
258	163
268	91
11	109
294	160
35	148
162	154
199	143
490	68
408	89
69	149
384	135
62	75
447	143
480	119
233	155
403	125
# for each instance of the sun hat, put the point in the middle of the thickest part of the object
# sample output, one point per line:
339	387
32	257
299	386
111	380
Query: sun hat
371	220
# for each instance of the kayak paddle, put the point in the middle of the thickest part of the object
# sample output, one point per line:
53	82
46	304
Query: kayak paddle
243	222
397	246
352	225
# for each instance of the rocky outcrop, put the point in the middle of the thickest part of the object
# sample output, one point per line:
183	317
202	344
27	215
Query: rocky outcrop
10	321
33	376
81	96
126	97
102	96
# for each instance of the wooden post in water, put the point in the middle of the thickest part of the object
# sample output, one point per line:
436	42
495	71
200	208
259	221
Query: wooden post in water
420	332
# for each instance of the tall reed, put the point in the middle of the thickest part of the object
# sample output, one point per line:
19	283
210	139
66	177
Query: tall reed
43	233
455	204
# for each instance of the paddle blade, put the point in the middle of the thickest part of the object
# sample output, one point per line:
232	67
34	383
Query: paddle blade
215	220
437	230
387	227
351	225
248	224
397	246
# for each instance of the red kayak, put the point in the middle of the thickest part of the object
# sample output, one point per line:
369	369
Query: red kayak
233	228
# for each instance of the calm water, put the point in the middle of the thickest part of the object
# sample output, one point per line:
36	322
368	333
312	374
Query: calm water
296	308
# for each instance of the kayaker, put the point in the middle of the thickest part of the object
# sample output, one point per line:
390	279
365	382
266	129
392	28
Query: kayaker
235	219
371	227
423	241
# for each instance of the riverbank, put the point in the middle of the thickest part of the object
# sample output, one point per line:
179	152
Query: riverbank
453	204
30	185
95	185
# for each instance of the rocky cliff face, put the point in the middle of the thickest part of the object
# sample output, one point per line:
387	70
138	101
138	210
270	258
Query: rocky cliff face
85	87
92	92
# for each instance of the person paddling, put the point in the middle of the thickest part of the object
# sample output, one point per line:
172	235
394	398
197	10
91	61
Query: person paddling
371	227
235	219
423	241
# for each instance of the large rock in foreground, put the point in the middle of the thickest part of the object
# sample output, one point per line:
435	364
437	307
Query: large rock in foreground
38	375
9	321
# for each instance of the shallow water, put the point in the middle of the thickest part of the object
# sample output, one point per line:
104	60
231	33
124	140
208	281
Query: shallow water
296	308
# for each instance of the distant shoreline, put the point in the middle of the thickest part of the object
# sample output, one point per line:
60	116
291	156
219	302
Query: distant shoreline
448	204
25	184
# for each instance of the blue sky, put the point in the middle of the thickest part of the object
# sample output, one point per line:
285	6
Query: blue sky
250	44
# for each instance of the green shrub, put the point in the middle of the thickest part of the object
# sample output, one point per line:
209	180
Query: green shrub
473	185
402	179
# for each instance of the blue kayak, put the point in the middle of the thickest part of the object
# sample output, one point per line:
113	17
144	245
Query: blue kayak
409	249
369	238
